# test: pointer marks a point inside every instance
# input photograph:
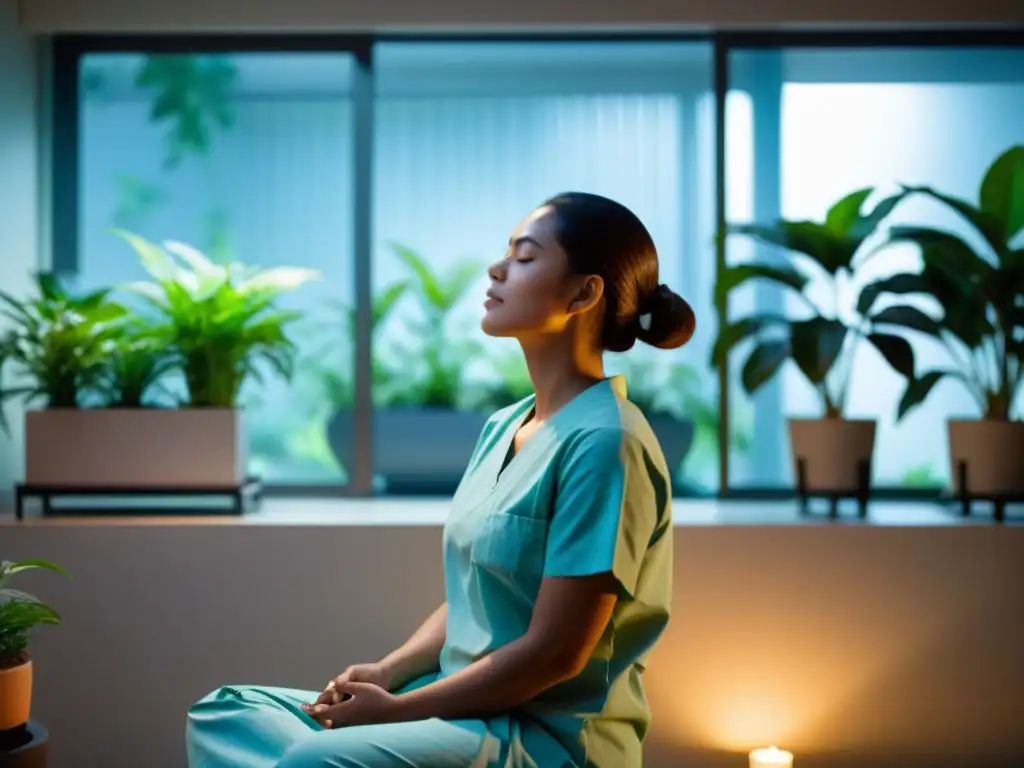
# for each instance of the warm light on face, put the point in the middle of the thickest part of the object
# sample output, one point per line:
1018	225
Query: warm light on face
771	757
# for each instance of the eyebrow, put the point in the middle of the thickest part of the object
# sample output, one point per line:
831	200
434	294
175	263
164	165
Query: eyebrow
523	240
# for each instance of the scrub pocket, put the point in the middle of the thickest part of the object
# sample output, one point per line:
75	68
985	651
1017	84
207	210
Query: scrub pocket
512	546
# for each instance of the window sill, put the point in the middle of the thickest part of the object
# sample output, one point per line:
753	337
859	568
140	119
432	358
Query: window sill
432	512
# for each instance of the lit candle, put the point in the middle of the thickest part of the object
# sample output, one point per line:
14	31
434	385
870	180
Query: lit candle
772	757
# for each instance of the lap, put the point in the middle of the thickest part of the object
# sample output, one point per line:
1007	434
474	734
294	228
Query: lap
424	744
263	726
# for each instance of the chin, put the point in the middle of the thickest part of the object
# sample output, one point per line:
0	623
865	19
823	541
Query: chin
492	326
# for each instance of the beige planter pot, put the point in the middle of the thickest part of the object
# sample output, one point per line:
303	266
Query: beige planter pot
993	452
834	452
134	448
15	695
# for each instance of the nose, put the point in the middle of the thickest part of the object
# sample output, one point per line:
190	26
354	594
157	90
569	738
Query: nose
497	271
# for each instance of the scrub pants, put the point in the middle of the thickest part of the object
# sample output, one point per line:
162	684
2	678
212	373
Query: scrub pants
257	727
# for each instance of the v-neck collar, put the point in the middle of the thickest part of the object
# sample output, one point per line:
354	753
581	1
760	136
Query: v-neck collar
617	384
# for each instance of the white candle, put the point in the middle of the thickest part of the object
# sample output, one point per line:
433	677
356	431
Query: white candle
772	757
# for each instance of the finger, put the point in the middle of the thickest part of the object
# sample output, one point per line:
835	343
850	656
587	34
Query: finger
353	688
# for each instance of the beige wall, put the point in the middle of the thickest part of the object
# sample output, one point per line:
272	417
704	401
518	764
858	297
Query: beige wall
19	247
868	641
322	15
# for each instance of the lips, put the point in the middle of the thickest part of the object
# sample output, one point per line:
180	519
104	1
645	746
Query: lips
493	296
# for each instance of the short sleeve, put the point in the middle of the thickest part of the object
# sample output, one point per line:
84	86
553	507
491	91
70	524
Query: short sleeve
605	509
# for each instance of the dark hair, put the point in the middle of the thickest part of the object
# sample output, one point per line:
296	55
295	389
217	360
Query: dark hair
603	237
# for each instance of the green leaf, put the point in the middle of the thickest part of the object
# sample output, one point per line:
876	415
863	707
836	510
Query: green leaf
842	216
917	390
730	278
763	363
866	225
810	238
896	350
946	252
816	344
907	317
1002	191
735	332
987	225
431	290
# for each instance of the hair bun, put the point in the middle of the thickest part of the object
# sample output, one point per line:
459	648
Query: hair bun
667	321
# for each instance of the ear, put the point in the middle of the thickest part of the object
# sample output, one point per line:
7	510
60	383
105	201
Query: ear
588	295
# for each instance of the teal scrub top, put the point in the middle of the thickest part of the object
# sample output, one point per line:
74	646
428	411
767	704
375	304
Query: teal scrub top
588	493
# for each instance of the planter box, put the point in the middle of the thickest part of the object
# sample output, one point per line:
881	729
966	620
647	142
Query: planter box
415	449
193	448
993	452
833	452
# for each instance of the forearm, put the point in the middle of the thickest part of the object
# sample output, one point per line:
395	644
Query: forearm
512	675
421	653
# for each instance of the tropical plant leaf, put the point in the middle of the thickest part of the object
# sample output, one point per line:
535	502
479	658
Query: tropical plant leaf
730	278
907	317
945	252
763	363
987	225
735	332
816	345
844	214
1002	192
431	291
897	352
917	390
809	238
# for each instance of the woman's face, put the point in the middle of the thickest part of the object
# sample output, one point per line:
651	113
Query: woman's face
533	291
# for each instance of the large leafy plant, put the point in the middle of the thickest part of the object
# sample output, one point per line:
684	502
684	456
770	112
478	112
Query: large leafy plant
821	341
331	364
21	612
978	283
58	346
220	321
433	370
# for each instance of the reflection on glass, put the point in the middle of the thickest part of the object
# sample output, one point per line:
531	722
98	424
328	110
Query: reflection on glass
248	158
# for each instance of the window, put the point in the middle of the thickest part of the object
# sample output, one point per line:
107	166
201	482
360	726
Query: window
245	156
807	126
469	137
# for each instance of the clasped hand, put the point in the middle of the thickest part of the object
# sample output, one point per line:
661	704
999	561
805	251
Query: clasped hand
358	696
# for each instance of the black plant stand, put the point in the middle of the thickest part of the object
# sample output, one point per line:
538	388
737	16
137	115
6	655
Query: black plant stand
861	493
998	500
244	498
24	747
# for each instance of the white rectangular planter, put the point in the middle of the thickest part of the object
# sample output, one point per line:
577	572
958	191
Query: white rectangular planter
135	448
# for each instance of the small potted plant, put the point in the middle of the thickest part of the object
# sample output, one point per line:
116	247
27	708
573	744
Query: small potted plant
20	613
978	284
832	451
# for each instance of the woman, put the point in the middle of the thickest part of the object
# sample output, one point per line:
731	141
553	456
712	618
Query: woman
557	550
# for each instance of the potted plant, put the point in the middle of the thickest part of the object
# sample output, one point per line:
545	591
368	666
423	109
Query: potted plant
425	427
20	613
832	453
58	348
215	325
978	282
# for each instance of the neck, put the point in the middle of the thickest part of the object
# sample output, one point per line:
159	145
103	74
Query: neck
560	369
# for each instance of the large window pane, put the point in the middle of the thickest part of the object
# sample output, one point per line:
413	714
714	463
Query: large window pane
806	127
468	139
246	157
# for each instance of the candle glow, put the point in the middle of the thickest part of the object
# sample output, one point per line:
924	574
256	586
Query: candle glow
771	757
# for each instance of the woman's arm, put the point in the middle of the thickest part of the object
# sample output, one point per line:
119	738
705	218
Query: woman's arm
420	654
568	620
